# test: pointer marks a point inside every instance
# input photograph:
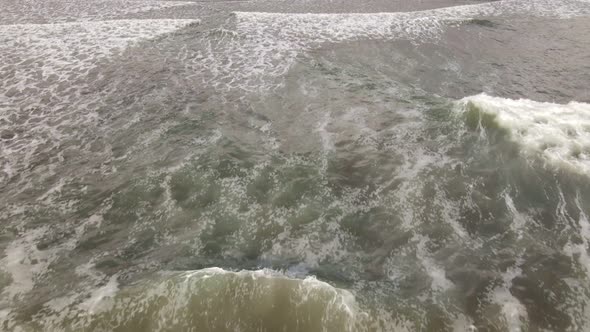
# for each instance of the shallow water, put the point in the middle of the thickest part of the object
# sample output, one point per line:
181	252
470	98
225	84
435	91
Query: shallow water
295	166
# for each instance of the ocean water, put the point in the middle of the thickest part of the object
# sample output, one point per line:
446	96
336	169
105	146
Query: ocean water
302	165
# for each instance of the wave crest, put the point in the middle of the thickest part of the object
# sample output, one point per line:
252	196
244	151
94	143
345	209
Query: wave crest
558	133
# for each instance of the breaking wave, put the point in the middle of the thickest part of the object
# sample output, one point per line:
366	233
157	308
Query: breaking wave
215	299
558	133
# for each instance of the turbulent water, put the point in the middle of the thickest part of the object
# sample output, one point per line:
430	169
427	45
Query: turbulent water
301	165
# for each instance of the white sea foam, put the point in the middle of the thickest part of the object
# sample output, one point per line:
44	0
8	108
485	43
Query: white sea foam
581	249
21	261
264	46
559	133
26	264
325	136
41	66
514	312
33	51
519	221
439	281
309	29
99	296
57	11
